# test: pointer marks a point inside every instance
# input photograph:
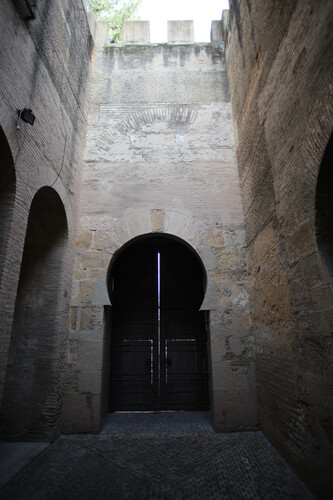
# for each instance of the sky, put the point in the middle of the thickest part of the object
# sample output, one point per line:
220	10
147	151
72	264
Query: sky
158	12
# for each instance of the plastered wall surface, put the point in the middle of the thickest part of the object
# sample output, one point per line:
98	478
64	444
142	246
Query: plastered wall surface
279	60
160	159
44	66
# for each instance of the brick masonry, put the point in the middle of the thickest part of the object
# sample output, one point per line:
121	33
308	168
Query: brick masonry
45	65
279	60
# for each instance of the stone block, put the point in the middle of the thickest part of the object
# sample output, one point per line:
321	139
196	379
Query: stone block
84	241
210	298
81	413
95	260
91	318
207	256
90	355
232	295
92	23
84	294
71	381
158	217
214	237
225	23
234	238
73	317
236	345
101	35
235	411
100	295
102	241
180	32
216	32
244	322
227	259
90	382
136	32
235	375
218	339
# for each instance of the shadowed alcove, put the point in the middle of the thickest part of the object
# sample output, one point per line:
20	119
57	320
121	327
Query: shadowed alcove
324	208
31	401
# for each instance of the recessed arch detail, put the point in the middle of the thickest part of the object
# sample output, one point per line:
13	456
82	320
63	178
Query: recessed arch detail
189	230
180	114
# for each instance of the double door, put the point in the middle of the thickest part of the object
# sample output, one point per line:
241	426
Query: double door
158	342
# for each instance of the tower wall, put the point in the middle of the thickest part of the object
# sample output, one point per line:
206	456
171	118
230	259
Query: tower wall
160	159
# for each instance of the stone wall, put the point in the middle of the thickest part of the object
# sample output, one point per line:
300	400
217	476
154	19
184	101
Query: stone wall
44	65
160	159
279	60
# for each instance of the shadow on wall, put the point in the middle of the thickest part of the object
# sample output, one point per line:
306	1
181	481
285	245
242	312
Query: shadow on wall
7	195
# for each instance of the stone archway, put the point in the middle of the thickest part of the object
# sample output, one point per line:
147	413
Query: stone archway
32	394
158	334
232	380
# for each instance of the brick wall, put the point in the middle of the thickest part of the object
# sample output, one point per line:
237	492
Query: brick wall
279	60
44	66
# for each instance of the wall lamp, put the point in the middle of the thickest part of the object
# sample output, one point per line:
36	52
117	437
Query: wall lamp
26	115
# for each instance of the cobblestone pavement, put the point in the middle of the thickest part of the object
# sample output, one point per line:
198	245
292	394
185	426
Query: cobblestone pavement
163	456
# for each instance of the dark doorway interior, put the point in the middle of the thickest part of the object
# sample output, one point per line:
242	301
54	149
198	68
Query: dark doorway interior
324	208
159	341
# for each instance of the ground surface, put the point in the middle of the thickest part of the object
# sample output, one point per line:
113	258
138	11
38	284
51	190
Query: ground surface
163	456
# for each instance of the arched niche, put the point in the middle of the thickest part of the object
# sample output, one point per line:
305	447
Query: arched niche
32	401
324	208
7	195
158	334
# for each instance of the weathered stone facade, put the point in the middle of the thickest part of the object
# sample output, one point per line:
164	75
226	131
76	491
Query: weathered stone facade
160	159
44	66
279	60
162	141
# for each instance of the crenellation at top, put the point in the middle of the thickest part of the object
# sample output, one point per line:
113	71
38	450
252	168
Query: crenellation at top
138	32
179	32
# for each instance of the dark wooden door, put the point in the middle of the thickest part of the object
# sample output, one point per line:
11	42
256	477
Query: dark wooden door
183	331
158	344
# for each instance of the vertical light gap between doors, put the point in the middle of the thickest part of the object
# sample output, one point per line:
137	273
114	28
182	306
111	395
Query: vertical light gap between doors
159	322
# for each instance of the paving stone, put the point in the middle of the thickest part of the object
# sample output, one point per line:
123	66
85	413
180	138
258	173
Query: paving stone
172	455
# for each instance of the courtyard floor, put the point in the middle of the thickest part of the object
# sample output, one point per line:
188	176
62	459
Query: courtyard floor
174	455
